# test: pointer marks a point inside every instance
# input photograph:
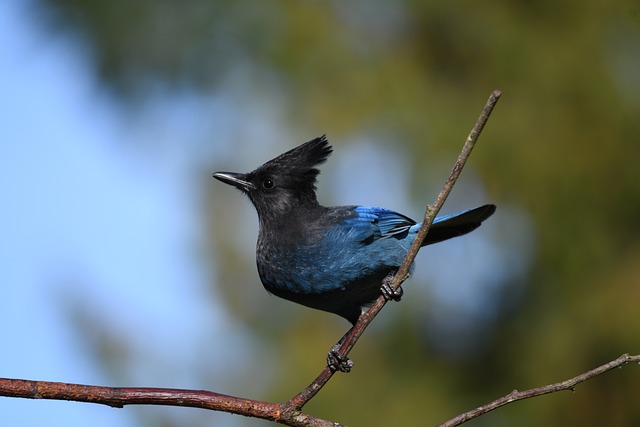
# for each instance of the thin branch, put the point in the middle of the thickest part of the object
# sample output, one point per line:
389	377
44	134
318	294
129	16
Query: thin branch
433	209
516	395
401	275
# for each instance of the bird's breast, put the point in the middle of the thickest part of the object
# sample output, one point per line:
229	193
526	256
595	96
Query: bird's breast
280	266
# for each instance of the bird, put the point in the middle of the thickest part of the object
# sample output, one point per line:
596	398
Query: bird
334	259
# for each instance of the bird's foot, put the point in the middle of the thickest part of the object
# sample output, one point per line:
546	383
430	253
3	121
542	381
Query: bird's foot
338	362
388	292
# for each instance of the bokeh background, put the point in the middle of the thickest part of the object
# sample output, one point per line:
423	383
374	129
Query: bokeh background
123	263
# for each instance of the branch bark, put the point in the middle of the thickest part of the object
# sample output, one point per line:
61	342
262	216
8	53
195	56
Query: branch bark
284	413
516	395
118	397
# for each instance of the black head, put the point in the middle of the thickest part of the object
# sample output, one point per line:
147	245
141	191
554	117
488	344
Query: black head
283	183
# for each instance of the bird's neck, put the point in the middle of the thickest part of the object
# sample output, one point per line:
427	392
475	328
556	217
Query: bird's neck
296	220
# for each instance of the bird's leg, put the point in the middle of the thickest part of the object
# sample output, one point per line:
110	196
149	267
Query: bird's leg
339	362
387	290
336	361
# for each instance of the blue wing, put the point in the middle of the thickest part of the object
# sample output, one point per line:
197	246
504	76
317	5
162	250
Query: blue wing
358	247
369	223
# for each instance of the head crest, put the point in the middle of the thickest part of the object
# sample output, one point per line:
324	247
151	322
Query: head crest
309	154
300	162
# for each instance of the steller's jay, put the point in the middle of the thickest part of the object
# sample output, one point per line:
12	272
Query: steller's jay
334	259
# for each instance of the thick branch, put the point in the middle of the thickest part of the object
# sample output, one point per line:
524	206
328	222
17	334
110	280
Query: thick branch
118	397
516	395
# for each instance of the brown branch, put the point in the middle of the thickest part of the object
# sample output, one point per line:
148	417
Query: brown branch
401	275
118	397
516	395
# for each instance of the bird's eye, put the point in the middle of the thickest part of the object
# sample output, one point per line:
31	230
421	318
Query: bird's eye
267	183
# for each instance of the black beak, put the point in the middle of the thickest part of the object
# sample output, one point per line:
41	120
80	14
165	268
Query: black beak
238	180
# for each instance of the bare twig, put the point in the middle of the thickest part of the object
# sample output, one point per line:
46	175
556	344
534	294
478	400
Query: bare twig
516	395
401	275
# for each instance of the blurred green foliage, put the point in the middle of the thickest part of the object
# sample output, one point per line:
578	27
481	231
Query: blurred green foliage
562	145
